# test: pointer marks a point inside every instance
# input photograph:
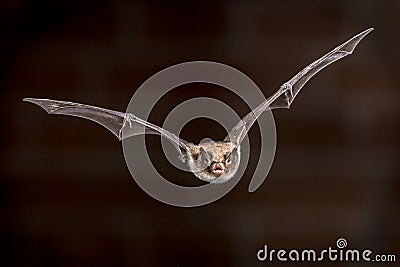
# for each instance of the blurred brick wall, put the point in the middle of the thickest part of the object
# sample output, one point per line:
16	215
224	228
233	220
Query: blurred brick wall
67	196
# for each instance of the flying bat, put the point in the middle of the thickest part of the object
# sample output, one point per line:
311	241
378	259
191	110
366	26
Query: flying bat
212	161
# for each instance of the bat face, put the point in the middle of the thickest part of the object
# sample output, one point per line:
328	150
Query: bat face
214	161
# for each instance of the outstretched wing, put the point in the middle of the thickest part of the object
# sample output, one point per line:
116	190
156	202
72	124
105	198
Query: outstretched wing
284	97
114	121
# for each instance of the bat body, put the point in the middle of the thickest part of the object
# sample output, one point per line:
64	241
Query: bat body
213	161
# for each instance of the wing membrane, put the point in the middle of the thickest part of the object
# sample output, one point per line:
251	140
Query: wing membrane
284	97
114	121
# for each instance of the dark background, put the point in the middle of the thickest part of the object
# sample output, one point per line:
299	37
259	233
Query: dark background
67	198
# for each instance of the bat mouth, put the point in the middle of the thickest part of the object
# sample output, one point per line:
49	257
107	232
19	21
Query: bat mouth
218	168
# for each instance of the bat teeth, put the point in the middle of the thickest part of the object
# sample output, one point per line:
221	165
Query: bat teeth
218	168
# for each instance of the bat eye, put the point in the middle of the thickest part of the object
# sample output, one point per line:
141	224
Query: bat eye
228	159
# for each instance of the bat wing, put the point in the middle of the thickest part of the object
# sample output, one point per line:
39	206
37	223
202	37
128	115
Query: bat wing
284	97
114	121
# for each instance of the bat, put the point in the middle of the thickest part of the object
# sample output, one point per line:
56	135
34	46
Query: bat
212	161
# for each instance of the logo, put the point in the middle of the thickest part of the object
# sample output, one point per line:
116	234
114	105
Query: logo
340	253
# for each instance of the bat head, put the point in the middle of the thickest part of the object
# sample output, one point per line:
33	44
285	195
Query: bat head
215	162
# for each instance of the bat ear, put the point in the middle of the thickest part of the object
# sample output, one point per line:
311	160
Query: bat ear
204	155
232	139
